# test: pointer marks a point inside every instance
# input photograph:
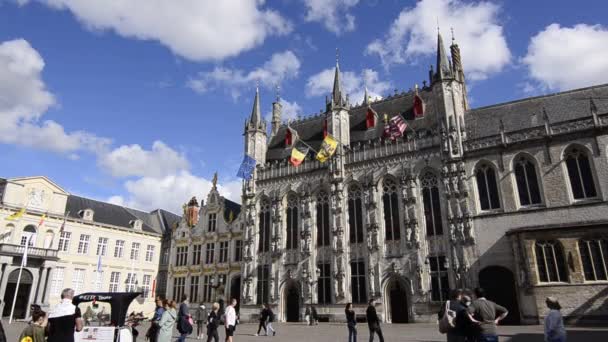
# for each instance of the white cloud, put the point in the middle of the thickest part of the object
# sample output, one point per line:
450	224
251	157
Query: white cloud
171	191
24	99
333	14
133	160
281	66
353	84
561	58
194	29
476	25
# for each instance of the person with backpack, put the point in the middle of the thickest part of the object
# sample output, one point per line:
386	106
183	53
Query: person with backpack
269	322
36	330
262	319
184	320
451	316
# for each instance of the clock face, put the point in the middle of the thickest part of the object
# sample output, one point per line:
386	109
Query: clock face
36	197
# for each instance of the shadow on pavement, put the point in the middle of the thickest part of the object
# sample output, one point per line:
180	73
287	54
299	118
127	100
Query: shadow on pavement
572	336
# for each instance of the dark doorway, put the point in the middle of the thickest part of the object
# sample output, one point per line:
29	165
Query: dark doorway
499	284
235	291
292	303
398	301
23	296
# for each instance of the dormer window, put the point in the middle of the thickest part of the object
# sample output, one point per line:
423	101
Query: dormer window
86	214
136	224
291	136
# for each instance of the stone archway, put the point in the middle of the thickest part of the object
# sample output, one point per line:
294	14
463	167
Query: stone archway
23	296
291	301
499	284
396	304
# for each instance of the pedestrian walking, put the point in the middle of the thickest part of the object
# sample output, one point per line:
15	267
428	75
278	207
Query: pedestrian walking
269	322
167	321
201	317
64	319
307	315
213	322
554	323
36	330
230	320
314	315
351	322
373	322
184	320
462	318
152	332
486	314
262	319
451	314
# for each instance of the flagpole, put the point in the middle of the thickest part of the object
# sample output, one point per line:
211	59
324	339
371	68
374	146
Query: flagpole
23	260
302	141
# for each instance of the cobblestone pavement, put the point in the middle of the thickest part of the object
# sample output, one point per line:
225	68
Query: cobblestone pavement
331	332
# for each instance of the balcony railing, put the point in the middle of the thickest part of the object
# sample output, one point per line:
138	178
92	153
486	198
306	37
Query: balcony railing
32	252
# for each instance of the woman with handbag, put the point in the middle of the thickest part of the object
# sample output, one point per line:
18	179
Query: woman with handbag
450	317
184	319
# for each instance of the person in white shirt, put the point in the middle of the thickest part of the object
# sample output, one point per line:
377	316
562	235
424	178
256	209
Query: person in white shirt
554	324
230	320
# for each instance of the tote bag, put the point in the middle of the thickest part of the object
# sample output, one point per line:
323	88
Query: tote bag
448	321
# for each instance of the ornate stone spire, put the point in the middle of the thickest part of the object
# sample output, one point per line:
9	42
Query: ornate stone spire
255	112
366	97
276	113
443	65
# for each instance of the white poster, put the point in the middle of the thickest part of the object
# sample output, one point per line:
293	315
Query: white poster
97	334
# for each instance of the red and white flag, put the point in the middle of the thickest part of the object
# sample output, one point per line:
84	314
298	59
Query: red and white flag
396	127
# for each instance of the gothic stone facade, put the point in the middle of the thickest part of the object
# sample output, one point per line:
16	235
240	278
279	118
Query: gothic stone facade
206	252
511	197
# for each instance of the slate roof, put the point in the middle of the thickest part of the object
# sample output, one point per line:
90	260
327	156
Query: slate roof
112	214
310	129
231	206
527	113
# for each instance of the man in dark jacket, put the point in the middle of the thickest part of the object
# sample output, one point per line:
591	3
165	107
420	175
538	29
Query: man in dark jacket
373	322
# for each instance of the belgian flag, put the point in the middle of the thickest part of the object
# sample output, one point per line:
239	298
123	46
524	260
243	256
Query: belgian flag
298	153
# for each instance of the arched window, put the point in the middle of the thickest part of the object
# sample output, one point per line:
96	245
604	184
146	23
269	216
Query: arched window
322	219
391	210
487	187
550	262
580	174
29	234
48	239
292	222
527	181
355	214
432	208
264	226
594	256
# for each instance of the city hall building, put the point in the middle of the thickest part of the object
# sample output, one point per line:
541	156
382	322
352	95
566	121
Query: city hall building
67	236
510	197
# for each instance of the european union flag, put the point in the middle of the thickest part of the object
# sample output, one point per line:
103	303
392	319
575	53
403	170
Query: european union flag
247	167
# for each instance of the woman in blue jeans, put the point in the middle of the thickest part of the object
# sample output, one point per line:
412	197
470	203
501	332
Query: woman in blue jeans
351	322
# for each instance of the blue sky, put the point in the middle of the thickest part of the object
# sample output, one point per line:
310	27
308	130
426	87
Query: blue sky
142	101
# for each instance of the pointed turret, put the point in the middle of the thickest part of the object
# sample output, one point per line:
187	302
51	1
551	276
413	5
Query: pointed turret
255	112
443	65
366	97
337	91
276	114
458	69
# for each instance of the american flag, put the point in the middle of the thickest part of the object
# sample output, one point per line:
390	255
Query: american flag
395	127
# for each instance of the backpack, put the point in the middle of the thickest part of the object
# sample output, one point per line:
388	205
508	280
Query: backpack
448	321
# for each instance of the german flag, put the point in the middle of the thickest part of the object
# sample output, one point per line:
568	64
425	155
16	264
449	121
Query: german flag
297	155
